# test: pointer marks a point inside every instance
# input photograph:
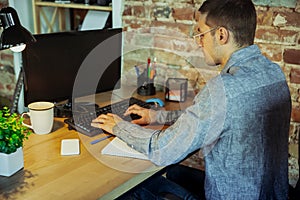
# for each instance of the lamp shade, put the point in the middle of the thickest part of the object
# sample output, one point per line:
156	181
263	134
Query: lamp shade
14	33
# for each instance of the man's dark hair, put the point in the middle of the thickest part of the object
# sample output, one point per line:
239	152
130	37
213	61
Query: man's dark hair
238	16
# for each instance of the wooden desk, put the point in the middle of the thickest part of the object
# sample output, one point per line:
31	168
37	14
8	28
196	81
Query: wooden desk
90	175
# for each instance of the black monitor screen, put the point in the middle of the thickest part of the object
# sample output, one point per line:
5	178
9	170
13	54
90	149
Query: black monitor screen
64	65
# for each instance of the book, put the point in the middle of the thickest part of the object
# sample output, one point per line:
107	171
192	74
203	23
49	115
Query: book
117	147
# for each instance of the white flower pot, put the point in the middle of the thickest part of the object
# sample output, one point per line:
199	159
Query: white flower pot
11	163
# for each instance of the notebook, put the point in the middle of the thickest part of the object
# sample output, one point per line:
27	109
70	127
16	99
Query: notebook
119	148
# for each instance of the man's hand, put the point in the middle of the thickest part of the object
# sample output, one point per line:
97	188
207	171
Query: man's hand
148	116
106	122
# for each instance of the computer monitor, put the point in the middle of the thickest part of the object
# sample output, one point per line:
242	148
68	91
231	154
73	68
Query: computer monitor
66	65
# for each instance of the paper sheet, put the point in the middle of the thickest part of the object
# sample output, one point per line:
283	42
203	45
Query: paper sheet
119	148
94	20
70	147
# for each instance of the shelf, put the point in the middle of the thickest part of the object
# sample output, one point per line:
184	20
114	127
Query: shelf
58	14
73	5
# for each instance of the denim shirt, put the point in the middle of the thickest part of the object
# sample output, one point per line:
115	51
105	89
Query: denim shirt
241	122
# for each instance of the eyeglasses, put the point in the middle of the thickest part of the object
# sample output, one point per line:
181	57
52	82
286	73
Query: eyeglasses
198	37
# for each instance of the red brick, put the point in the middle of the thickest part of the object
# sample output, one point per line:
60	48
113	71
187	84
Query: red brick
295	76
183	13
135	23
163	42
141	11
292	18
177	28
277	35
7	55
164	29
291	56
264	17
127	10
271	51
137	11
145	40
184	45
295	116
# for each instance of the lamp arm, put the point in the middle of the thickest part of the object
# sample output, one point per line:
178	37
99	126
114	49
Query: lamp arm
17	92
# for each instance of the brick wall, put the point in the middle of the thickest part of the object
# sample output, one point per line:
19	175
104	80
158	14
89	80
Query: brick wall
7	76
163	29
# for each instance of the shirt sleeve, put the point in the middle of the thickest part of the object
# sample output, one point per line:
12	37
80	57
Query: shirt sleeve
168	117
198	126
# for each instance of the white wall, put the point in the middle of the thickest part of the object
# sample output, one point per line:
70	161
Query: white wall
117	13
24	9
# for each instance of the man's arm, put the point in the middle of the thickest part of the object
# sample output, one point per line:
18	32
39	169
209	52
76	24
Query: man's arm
167	117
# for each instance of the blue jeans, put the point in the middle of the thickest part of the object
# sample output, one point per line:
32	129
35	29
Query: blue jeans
181	182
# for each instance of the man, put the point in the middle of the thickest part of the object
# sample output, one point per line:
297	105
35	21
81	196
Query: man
240	119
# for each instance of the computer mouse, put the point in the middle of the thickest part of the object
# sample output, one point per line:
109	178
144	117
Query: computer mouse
156	101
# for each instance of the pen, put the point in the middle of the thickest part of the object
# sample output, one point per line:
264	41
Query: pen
148	67
153	69
101	139
137	70
152	74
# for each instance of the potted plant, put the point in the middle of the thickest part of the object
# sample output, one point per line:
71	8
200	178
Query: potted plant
12	136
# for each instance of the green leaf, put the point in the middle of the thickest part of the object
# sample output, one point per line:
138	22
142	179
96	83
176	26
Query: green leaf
12	132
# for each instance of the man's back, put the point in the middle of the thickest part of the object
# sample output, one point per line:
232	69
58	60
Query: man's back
249	161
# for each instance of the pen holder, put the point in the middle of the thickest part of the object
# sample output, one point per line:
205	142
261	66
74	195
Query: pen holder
176	89
145	85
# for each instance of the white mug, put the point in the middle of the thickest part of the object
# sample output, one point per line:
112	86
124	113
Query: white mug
41	117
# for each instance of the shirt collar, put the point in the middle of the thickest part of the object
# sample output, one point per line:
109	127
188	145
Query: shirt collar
239	56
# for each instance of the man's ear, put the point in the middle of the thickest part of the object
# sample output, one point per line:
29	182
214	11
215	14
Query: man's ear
223	35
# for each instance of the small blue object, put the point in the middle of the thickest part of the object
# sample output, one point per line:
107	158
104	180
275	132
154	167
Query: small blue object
101	139
156	101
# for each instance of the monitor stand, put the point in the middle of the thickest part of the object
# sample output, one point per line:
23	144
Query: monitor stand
68	109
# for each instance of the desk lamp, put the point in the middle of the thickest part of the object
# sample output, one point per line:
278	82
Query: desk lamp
14	35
